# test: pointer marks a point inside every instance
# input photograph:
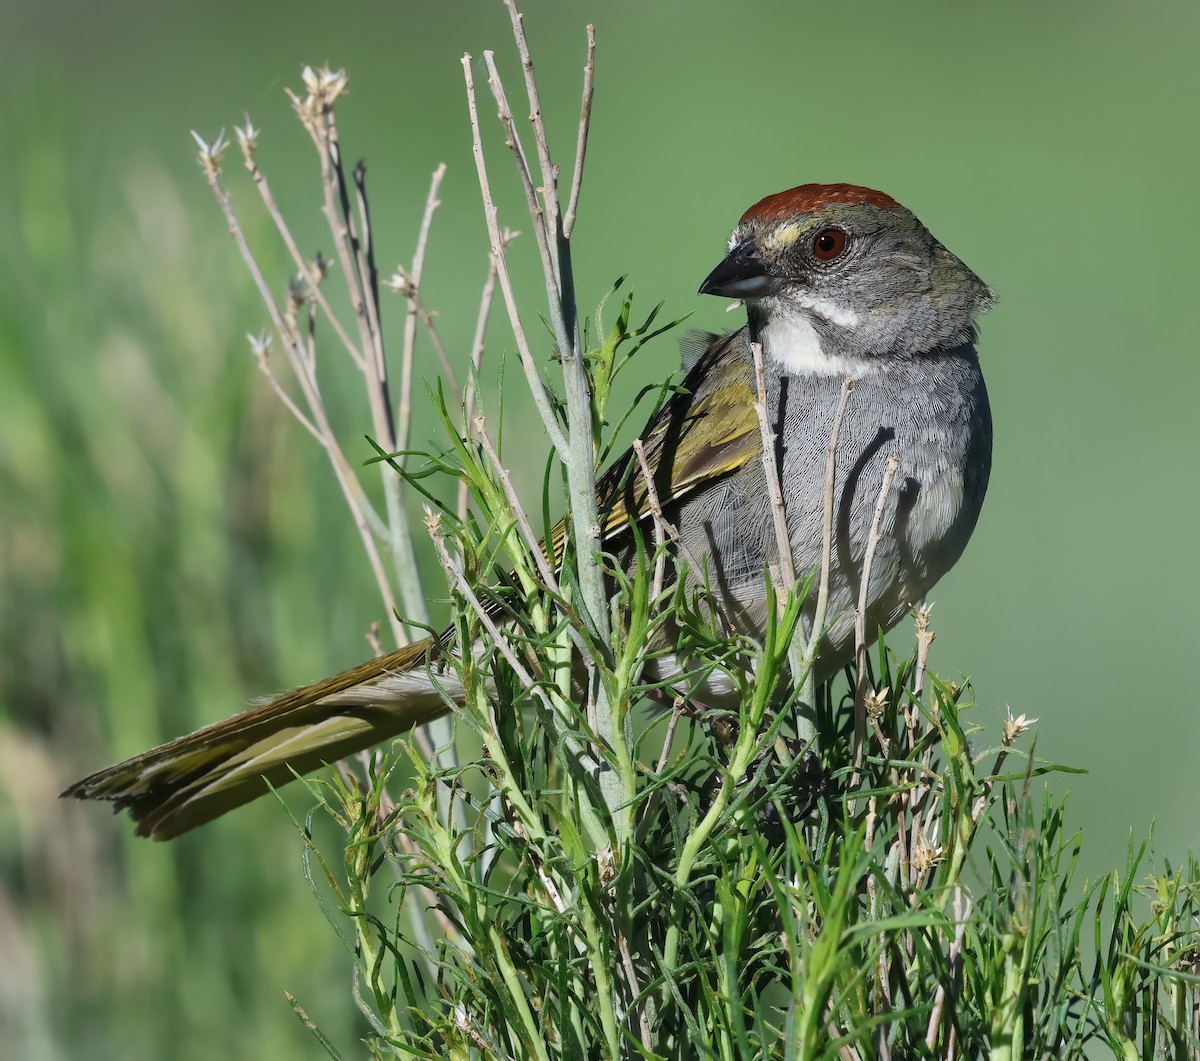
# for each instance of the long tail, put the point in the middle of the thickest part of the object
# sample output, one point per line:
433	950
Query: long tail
194	779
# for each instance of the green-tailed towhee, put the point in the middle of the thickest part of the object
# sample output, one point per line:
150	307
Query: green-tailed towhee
839	282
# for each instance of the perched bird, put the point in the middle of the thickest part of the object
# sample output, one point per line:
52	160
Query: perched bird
839	282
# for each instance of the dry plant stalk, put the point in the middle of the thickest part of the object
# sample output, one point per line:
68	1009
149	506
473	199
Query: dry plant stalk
295	320
801	657
574	447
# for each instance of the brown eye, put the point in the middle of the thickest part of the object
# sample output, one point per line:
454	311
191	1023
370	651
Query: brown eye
828	244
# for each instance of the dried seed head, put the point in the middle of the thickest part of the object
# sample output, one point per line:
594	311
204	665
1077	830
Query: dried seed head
247	137
297	294
925	855
399	281
210	154
260	345
324	86
1014	727
877	700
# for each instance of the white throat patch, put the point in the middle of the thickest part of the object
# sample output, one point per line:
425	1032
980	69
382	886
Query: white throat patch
791	341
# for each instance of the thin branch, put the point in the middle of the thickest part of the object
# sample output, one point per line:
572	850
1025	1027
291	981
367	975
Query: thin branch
863	681
478	343
427	318
542	227
783	541
259	345
434	522
549	170
962	914
414	275
247	140
585	124
341	227
656	511
827	520
660	522
351	488
556	265
532	541
537	388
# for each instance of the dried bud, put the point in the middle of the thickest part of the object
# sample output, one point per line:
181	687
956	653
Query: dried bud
922	615
324	86
399	281
877	700
925	855
247	138
319	267
210	154
1014	727
260	345
297	295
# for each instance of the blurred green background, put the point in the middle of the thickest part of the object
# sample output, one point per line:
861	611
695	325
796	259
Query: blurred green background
171	545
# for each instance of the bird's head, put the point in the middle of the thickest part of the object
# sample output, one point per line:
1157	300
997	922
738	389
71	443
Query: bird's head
834	275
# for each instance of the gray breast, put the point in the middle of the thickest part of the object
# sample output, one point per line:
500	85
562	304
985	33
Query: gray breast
931	412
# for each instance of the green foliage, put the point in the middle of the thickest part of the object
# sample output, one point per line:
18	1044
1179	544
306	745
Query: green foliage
743	900
166	547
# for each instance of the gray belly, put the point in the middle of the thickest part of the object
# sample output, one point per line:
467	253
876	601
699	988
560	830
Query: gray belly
932	414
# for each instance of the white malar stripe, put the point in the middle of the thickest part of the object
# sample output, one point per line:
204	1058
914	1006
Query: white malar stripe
834	312
791	341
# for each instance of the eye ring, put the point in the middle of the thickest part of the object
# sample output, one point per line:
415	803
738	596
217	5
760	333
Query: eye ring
828	244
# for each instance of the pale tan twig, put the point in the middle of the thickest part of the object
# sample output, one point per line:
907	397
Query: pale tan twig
804	662
863	682
669	736
532	542
372	636
538	209
925	638
537	388
555	252
549	170
409	347
259	345
783	541
660	522
585	123
478	344
962	914
293	344
827	520
632	980
655	505
247	137
400	282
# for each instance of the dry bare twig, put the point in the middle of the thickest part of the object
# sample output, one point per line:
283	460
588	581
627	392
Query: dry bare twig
783	541
537	388
585	124
862	684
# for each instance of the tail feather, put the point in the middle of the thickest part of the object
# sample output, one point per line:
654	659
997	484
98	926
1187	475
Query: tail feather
196	778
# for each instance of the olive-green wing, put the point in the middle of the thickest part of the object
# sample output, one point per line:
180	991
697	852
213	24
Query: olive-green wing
707	430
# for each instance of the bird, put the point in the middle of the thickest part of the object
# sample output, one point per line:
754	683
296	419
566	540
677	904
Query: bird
839	283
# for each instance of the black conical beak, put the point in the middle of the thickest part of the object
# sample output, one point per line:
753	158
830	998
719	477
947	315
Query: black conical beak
742	274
